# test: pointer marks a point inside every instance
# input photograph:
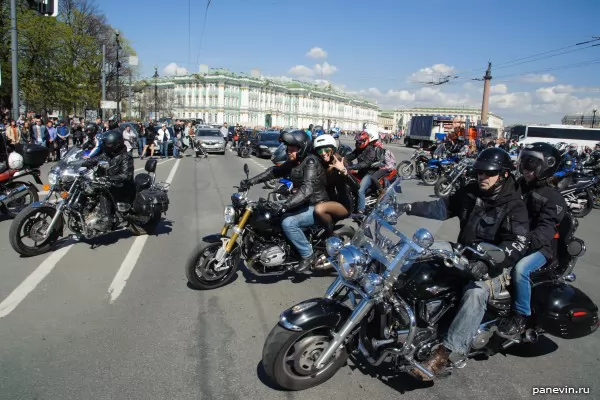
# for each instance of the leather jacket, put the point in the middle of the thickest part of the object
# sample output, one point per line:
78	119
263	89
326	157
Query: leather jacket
120	175
500	219
366	157
308	177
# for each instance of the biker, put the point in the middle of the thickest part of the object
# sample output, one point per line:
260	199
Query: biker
367	155
593	161
119	177
339	184
546	208
382	170
318	131
307	174
489	210
93	140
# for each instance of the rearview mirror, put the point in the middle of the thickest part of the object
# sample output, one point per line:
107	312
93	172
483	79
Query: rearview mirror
246	170
493	252
103	164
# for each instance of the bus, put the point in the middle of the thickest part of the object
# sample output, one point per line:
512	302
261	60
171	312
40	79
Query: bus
554	134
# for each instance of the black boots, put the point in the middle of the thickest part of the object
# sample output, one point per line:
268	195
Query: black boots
513	325
305	264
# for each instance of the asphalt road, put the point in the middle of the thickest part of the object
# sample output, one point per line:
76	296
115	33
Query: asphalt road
75	325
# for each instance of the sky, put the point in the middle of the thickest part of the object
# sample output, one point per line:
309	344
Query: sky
385	50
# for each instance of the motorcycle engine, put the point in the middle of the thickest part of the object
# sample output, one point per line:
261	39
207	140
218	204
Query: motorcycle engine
271	256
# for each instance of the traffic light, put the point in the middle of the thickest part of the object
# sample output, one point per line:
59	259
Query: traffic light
44	7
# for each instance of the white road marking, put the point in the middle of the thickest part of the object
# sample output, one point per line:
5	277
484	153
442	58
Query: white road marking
31	282
120	280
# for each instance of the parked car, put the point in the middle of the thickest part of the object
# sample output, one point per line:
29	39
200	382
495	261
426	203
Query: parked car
265	143
212	140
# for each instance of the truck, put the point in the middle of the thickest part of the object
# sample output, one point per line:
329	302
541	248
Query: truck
423	131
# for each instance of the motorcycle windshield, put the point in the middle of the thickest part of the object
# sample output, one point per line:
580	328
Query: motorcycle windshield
280	155
378	234
440	150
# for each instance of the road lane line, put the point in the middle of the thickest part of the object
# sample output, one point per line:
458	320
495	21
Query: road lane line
120	280
31	282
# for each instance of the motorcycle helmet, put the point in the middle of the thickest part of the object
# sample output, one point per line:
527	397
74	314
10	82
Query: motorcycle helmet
362	140
373	134
113	142
573	149
325	143
541	158
91	129
344	150
15	160
299	139
113	123
493	159
280	155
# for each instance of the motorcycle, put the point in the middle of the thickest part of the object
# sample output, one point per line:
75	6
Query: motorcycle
77	190
440	163
457	177
580	197
198	147
416	165
371	197
395	297
257	239
243	148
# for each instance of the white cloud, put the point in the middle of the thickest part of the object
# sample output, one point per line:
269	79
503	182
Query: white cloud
325	69
431	74
301	70
316	52
174	69
538	78
499	89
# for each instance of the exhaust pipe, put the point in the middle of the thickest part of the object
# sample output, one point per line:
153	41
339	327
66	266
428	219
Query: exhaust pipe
14	194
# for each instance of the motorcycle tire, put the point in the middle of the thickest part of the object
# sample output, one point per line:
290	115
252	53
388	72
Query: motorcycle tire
405	169
430	177
588	206
271	184
275	354
204	281
245	153
149	227
442	188
19	222
33	193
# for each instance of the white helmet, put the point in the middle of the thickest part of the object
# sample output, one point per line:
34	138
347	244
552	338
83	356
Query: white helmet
15	160
373	134
325	140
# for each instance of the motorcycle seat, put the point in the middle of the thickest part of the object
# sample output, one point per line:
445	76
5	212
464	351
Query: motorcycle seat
6	175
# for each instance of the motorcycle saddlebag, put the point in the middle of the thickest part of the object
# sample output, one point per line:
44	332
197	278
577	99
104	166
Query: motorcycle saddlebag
34	155
563	310
150	199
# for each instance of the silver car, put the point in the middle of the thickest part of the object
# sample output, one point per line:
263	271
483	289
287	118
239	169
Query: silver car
211	139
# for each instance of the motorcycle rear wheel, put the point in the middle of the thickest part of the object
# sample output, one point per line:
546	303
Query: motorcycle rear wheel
288	357
28	219
589	204
13	208
198	267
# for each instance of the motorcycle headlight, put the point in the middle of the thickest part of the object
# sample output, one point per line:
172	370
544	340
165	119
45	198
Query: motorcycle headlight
333	245
52	178
351	263
229	215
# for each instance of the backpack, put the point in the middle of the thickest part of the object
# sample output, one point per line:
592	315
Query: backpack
389	162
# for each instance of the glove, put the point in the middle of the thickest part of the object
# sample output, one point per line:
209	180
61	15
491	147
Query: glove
403	208
477	270
245	185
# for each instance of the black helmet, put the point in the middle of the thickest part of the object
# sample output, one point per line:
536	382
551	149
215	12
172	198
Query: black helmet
541	158
493	159
91	129
113	123
280	155
297	138
113	142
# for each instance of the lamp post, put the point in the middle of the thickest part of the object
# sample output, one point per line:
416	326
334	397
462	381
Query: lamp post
155	92
594	117
118	86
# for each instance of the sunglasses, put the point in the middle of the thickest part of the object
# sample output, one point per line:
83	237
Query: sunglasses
487	173
324	150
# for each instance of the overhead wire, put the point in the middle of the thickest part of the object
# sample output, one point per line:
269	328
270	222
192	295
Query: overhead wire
203	29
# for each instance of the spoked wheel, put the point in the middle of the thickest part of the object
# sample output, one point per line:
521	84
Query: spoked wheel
586	205
443	187
405	170
14	207
289	357
27	234
430	176
203	270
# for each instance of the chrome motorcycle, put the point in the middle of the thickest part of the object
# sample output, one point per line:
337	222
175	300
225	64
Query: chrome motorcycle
395	297
454	179
416	165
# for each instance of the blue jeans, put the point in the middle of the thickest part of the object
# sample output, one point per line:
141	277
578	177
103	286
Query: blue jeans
292	225
164	149
522	282
470	314
141	144
175	147
362	192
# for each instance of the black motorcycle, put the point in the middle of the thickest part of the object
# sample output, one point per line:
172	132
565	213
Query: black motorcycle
257	239
78	192
395	297
416	165
455	178
244	149
580	196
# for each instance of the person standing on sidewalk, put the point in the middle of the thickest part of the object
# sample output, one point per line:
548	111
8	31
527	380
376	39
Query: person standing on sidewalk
225	133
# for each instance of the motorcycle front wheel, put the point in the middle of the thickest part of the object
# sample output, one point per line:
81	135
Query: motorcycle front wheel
288	357
30	225
200	267
442	188
406	169
12	208
587	207
429	177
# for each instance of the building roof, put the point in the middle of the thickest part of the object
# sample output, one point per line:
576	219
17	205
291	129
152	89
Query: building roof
449	110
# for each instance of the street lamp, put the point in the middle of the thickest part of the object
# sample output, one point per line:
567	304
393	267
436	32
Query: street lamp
594	117
155	92
118	87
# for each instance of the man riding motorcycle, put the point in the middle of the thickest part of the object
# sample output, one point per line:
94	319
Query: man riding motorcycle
489	210
119	176
546	208
93	140
307	174
367	154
